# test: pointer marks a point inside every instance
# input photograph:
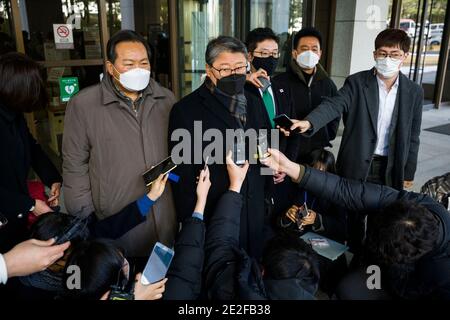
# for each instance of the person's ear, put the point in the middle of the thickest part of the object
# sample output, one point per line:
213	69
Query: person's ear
250	57
319	53
375	55
294	54
210	74
110	68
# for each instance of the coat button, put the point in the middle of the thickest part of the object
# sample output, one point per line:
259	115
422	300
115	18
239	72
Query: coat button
20	216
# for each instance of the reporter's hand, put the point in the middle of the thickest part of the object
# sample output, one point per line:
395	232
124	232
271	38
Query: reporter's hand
203	185
33	256
253	77
291	214
40	207
310	218
280	163
236	173
278	177
55	192
157	187
286	133
408	184
148	292
302	125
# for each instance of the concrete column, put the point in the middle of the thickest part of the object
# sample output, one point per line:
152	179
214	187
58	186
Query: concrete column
24	17
127	13
280	16
357	24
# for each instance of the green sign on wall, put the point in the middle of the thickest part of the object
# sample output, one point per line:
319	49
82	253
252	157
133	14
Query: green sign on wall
68	86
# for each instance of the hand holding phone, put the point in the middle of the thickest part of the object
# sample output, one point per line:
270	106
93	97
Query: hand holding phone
285	122
265	83
158	264
164	167
157	187
263	147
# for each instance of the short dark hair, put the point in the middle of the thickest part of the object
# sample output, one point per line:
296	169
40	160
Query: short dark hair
307	32
22	88
393	38
259	35
100	262
49	225
287	256
324	157
223	44
401	234
124	36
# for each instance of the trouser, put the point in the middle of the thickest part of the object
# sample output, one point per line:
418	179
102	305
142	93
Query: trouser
377	170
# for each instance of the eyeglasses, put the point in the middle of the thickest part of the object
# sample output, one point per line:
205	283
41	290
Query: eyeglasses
266	54
228	72
395	55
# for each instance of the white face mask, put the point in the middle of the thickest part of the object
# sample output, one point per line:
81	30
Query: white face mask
388	67
308	59
136	79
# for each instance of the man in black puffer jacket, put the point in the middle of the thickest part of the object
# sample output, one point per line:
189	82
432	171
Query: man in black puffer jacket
289	268
408	234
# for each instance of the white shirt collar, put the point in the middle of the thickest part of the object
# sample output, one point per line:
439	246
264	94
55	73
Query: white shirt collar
383	85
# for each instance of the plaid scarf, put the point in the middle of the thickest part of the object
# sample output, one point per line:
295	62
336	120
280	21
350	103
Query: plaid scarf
236	104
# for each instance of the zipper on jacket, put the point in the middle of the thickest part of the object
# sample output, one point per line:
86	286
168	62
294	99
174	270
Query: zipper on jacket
309	91
133	106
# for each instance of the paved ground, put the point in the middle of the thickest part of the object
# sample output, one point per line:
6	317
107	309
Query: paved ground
434	151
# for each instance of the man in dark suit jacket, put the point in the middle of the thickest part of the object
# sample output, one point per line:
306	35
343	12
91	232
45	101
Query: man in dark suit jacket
276	99
220	104
382	112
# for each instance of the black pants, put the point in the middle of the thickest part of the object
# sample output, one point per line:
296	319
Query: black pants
377	170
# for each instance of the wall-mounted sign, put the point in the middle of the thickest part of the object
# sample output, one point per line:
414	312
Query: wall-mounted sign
63	34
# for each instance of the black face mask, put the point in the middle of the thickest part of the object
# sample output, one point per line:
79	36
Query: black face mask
269	64
232	84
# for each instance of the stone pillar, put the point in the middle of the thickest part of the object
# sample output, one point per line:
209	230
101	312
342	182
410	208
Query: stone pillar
357	24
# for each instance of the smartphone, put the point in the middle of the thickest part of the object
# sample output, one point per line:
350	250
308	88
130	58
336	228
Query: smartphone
157	265
263	147
239	151
77	227
301	214
266	83
284	122
163	167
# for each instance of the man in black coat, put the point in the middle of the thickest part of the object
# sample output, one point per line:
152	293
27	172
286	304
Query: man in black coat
308	84
382	112
408	234
219	104
276	98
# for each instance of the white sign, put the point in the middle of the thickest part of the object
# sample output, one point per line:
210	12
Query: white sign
63	36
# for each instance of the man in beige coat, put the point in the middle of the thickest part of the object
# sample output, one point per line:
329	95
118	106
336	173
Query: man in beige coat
114	131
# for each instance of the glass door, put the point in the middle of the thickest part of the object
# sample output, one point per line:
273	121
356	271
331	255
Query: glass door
198	22
284	17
